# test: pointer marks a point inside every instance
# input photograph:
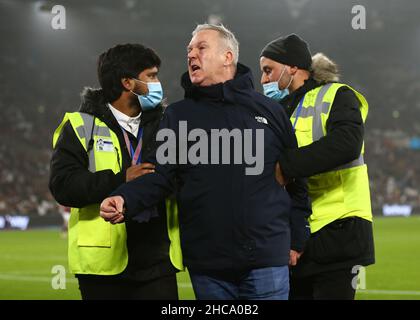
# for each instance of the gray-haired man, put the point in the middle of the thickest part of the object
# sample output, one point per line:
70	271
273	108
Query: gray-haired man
234	222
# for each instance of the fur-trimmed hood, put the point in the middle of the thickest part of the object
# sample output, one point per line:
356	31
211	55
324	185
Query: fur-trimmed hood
323	69
93	101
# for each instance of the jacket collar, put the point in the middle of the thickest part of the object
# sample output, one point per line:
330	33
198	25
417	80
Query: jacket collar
292	100
221	91
130	124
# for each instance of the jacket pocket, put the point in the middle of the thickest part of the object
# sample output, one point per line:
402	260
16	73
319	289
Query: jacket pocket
92	230
339	241
303	131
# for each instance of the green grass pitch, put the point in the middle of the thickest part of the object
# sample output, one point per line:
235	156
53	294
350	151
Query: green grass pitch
27	259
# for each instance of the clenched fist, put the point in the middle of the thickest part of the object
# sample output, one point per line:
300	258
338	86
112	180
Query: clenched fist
112	209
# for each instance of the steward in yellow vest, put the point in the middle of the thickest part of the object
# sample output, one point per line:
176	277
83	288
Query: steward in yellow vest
328	118
97	149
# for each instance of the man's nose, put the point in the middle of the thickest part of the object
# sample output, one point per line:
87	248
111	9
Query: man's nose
264	79
192	54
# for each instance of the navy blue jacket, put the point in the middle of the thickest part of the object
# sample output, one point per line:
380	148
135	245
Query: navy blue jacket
228	220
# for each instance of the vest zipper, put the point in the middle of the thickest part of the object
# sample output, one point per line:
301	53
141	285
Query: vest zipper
118	158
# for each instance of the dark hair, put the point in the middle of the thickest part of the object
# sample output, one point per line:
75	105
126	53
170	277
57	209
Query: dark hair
123	61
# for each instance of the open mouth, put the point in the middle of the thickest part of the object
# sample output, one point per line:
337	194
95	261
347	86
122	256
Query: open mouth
194	67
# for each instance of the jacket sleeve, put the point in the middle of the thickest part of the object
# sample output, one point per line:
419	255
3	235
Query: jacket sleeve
71	183
342	143
301	210
298	192
148	190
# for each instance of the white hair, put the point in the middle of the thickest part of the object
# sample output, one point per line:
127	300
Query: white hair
225	34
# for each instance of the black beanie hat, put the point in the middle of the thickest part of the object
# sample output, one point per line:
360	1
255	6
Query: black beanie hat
290	50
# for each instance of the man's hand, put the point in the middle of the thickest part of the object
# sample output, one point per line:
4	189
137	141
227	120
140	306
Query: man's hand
112	209
279	175
139	170
294	257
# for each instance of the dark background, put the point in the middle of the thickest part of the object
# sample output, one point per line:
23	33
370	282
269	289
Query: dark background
42	72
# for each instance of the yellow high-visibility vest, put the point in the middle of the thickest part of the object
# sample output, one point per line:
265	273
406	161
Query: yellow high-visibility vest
344	191
94	245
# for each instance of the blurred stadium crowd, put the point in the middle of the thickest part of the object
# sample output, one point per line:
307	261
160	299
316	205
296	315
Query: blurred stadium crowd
37	86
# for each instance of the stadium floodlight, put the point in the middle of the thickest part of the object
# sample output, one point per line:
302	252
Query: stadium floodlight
44	6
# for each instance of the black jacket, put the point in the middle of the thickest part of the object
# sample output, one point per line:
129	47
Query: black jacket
342	143
73	185
229	220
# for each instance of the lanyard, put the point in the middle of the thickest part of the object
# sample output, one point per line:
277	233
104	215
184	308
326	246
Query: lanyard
134	154
299	109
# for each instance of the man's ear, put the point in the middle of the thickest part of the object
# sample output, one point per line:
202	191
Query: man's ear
228	58
128	84
293	70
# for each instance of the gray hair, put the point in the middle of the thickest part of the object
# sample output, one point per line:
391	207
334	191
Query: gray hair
323	69
226	35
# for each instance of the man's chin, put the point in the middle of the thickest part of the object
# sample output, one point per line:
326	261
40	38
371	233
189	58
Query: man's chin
196	80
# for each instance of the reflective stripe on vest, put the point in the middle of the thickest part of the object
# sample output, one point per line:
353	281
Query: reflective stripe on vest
95	246
319	110
344	191
85	132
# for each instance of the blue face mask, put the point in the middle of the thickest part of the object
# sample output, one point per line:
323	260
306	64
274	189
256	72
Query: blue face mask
272	90
152	98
